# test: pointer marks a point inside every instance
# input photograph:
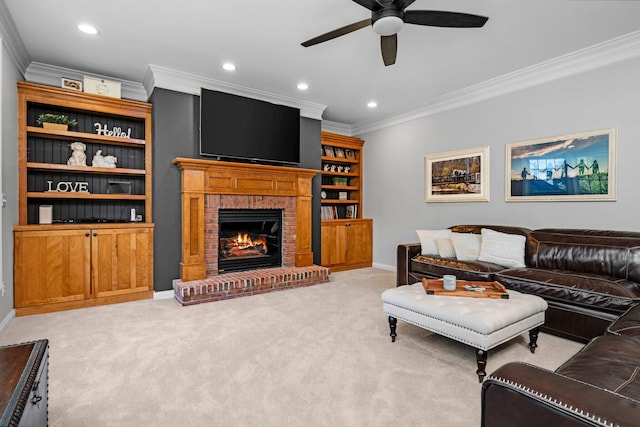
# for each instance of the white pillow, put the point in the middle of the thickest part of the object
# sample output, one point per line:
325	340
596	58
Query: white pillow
466	245
427	242
503	249
445	247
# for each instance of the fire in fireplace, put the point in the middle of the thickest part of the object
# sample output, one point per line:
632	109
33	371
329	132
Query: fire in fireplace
249	239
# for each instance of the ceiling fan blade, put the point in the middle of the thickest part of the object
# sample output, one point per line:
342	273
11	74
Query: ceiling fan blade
403	4
337	33
370	4
436	18
389	47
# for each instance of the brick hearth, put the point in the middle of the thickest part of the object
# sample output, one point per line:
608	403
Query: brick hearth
246	283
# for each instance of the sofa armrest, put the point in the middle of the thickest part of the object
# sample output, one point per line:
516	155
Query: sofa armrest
519	394
406	251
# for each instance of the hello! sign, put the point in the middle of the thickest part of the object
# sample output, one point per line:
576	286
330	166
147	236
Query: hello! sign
115	131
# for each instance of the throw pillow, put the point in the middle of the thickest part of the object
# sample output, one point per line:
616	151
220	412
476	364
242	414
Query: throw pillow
466	245
427	242
503	249
445	247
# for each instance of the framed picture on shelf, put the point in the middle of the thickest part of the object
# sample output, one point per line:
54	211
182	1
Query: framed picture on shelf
339	152
457	176
71	84
349	154
351	212
576	167
328	151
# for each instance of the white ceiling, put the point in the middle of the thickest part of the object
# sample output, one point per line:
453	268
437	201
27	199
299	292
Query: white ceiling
263	39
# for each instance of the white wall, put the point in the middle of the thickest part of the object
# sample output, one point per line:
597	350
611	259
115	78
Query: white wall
607	97
9	75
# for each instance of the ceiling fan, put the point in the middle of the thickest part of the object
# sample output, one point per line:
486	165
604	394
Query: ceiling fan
388	17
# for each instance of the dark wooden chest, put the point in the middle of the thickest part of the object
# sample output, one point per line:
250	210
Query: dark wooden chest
24	372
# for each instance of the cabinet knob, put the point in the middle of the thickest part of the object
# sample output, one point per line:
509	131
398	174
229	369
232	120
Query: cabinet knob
86	234
95	234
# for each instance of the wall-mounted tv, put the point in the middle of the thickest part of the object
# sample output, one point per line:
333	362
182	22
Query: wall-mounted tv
237	127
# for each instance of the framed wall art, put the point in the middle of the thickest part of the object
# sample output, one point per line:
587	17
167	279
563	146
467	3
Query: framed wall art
457	176
580	167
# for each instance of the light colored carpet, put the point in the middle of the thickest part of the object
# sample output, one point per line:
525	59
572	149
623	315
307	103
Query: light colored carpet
316	356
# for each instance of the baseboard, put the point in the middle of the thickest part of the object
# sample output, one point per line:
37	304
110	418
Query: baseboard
7	321
163	294
384	266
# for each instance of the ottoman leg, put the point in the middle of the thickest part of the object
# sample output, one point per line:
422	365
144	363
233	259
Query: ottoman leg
481	357
392	325
533	339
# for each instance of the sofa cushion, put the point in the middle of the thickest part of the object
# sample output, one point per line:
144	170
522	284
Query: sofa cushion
578	288
502	248
435	266
609	362
427	240
445	247
628	324
600	252
466	245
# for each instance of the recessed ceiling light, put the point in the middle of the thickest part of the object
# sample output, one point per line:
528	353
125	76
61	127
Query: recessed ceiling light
372	104
229	66
303	86
88	29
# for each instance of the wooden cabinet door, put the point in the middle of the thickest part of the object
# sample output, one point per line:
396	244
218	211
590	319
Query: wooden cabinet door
334	244
360	242
51	267
121	261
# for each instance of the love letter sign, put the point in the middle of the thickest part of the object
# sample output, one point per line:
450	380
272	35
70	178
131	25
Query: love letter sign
68	187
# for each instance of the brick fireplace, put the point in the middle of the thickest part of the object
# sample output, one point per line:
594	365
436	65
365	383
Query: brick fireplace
207	187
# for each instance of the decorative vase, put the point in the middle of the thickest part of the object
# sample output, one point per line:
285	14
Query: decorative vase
54	126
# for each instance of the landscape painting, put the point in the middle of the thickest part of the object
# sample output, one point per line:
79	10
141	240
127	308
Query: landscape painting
458	176
572	167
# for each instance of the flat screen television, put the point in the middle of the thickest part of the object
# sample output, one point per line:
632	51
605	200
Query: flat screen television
237	127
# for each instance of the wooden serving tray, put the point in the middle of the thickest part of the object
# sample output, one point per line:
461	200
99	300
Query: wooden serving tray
493	289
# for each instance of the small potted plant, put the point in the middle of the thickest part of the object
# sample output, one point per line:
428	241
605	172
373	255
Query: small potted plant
55	121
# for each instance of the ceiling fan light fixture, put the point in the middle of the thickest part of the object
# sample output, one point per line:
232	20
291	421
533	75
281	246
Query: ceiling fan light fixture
388	25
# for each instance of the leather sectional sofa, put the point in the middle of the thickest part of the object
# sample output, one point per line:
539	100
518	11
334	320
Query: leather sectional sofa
598	386
591	282
589	278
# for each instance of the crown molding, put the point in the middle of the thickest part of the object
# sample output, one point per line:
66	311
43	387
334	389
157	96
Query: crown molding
11	39
38	72
596	56
336	127
166	78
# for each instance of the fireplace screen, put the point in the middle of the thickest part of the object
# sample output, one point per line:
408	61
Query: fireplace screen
249	239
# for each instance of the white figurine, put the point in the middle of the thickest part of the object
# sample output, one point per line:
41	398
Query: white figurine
78	157
101	161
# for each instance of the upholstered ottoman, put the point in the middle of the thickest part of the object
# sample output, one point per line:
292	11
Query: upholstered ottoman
482	323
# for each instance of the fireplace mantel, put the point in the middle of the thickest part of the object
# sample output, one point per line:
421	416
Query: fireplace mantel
202	177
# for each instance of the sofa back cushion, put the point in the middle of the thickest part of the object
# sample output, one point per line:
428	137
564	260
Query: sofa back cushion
602	252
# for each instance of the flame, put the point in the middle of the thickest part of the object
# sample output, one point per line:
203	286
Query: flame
243	241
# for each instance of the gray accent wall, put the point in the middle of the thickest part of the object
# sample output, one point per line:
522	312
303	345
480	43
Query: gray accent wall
394	175
9	76
176	119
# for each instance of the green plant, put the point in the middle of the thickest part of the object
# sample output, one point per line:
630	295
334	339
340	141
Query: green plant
56	118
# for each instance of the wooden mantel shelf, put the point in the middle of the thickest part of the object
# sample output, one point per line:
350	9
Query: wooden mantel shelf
201	177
